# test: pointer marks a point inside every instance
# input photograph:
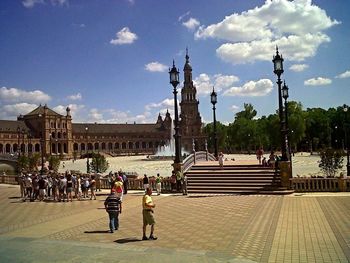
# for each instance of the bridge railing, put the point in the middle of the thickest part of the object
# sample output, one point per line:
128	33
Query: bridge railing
196	157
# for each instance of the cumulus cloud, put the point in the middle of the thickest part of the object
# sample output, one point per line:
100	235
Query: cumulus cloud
166	103
32	3
11	111
298	67
344	75
191	23
75	110
261	87
234	108
295	26
13	95
319	81
75	96
183	16
204	82
95	115
124	36
156	67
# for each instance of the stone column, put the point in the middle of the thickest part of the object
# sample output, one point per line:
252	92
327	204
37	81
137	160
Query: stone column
286	173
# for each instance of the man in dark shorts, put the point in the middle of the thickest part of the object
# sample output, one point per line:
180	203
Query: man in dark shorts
147	214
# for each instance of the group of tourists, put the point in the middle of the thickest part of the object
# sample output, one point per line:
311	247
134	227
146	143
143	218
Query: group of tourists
58	187
270	162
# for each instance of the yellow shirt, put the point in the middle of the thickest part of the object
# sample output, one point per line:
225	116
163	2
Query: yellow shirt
118	186
146	200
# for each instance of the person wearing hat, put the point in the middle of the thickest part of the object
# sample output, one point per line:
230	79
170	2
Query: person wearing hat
113	206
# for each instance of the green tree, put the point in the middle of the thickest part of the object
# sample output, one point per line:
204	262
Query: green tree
54	162
331	161
99	164
23	163
296	123
34	161
221	133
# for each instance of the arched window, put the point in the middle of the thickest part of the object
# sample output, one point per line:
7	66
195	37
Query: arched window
37	147
90	148
131	145
116	145
137	145
82	146
65	148
30	147
59	135
8	148
97	146
1	148
103	146
143	145
75	147
15	147
123	145
110	146
59	148
150	144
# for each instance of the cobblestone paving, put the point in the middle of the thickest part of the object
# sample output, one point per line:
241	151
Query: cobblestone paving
246	228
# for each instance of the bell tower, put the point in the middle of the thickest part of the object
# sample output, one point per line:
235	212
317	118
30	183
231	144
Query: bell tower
191	121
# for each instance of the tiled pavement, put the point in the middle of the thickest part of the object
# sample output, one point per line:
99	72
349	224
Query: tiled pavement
208	228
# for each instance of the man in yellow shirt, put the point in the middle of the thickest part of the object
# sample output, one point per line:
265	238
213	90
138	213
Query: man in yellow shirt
147	214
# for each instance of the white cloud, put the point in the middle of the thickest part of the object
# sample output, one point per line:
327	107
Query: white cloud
204	82
344	75
319	81
75	110
31	3
298	67
156	67
261	87
13	95
183	16
295	26
234	108
75	96
124	36
95	116
11	111
166	103
191	23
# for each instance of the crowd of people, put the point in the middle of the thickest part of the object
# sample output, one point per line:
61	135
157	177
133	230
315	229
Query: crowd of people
58	187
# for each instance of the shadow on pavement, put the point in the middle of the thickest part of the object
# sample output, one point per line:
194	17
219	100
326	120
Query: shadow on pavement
127	240
97	232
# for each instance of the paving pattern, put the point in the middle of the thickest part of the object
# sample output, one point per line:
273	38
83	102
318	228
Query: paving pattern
198	228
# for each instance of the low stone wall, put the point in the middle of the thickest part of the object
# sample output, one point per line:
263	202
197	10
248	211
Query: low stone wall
320	184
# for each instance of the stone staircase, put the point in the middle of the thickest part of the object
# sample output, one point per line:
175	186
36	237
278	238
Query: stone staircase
234	179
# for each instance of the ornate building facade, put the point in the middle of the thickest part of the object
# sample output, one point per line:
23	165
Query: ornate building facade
44	130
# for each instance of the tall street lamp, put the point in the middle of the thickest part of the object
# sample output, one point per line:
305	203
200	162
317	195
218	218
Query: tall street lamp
285	96
278	70
87	153
42	155
214	100
346	130
174	80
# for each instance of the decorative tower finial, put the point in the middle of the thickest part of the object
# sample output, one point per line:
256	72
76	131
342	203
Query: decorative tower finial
276	50
187	57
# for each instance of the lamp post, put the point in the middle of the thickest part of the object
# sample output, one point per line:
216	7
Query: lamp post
214	100
346	130
174	80
285	96
87	153
42	155
278	70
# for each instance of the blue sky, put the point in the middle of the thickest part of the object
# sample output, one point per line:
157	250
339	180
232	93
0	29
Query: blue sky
108	60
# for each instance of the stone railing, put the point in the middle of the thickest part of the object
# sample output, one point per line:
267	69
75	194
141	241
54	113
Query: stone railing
8	179
137	184
196	157
307	184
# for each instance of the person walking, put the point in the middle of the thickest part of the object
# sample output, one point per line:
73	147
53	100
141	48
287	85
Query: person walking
221	160
113	206
159	184
259	154
147	214
92	185
145	182
184	184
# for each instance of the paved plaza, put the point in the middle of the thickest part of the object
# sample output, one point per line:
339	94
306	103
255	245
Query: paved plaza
198	228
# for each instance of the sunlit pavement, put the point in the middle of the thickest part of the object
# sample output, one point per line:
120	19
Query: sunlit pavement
196	228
